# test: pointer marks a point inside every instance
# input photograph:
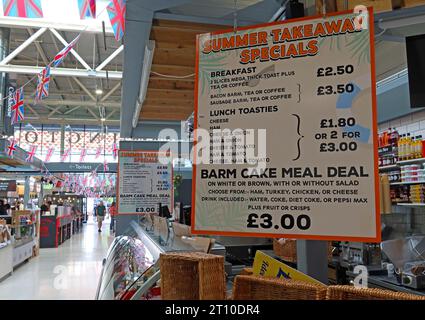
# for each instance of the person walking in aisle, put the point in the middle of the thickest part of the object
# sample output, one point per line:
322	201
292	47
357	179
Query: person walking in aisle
3	209
100	212
113	212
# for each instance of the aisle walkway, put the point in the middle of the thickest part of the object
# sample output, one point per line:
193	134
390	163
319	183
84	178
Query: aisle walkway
69	272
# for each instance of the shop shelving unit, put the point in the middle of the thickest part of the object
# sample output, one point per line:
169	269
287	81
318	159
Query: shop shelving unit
25	234
412	161
388	168
406	183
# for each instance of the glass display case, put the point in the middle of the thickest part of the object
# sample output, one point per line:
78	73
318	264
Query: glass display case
131	267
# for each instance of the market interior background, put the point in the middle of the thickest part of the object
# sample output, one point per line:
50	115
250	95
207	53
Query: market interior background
94	101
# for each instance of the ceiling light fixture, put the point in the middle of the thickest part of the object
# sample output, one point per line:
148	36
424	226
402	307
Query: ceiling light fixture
144	81
99	92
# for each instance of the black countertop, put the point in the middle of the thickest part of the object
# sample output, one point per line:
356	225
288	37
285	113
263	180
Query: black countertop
391	283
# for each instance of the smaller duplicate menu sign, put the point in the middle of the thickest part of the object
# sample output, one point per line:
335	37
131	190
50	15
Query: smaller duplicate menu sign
285	119
145	181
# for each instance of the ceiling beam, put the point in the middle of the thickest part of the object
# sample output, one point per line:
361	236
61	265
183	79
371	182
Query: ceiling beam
66	72
55	110
23	46
93	114
110	58
110	92
72	110
78	93
82	86
70	120
55	43
11	22
73	52
76	103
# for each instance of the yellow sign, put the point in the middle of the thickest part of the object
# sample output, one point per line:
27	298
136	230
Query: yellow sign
266	266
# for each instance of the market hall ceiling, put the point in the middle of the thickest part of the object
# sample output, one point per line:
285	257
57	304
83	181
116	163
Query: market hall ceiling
174	26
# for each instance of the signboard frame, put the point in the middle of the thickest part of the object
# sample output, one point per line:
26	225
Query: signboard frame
170	205
336	237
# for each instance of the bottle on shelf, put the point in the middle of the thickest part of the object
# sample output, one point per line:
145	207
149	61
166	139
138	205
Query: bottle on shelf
394	138
401	147
423	148
419	147
408	147
387	137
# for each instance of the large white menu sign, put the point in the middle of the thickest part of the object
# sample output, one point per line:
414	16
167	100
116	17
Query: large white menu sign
145	180
290	114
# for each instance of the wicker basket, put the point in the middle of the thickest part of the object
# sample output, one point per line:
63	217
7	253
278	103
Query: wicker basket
287	249
352	293
262	288
192	276
247	272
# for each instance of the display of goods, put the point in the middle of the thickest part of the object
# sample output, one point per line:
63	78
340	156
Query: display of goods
412	173
401	194
410	147
417	193
388	138
394	176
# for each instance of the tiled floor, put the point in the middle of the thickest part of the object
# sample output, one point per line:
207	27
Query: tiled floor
69	272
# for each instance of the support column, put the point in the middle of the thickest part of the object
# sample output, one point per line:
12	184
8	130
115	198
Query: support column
5	126
312	259
26	192
137	31
62	140
40	196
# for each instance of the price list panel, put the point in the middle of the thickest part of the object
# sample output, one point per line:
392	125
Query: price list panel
145	180
289	110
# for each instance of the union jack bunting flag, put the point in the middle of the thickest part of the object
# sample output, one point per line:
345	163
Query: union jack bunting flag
83	154
11	148
64	52
18	106
87	8
23	8
42	90
98	152
115	150
116	11
66	154
31	153
49	154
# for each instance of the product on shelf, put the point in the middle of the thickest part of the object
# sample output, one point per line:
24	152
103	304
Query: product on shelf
388	143
410	147
400	194
417	193
394	176
412	173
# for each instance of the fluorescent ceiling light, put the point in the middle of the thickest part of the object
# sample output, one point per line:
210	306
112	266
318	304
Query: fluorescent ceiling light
144	81
99	92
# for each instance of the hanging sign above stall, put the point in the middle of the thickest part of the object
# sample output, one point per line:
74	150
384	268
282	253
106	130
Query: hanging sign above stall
7	185
285	141
144	181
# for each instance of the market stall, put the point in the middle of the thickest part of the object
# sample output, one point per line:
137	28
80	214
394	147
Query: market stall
56	226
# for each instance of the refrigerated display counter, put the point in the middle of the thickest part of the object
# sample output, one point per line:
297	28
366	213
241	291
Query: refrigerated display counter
131	267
